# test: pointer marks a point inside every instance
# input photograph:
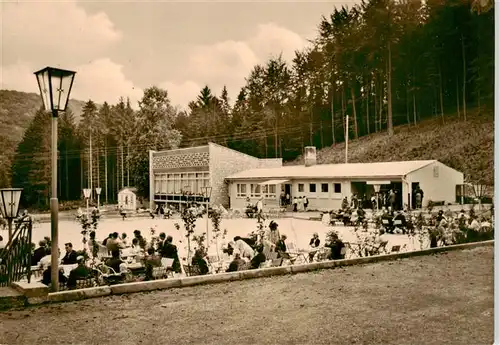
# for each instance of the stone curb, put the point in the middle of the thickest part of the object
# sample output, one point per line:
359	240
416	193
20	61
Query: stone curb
73	295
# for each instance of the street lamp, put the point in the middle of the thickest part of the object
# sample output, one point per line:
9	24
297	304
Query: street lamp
55	87
86	194
98	192
207	192
9	205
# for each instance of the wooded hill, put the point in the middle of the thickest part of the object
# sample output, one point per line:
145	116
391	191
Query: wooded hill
463	145
17	110
384	63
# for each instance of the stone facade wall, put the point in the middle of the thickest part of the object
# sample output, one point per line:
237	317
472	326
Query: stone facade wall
225	162
183	158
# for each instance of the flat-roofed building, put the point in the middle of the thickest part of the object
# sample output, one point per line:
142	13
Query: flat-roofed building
325	185
178	175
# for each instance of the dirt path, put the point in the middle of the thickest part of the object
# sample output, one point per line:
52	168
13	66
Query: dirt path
444	299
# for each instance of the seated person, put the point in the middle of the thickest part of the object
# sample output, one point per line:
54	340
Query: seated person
361	214
401	217
79	273
39	253
251	242
150	262
199	262
45	263
104	243
237	264
258	259
336	246
244	249
70	256
313	245
281	245
115	261
113	243
169	250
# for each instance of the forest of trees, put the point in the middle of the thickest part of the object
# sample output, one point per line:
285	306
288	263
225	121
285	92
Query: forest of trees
383	63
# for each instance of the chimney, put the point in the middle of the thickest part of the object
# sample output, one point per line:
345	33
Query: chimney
309	156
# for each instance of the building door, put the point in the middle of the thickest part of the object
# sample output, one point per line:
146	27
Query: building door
288	190
414	186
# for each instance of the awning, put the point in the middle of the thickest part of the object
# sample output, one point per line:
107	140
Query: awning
273	182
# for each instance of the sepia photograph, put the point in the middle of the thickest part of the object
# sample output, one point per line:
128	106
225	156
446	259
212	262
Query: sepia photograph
247	172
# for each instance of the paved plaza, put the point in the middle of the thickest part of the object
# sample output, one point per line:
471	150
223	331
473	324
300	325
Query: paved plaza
298	230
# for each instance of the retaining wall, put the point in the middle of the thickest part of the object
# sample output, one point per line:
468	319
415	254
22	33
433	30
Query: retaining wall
41	295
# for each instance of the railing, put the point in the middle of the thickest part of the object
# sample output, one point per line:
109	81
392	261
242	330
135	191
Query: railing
15	258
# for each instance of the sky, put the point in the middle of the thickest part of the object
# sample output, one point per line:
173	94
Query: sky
120	48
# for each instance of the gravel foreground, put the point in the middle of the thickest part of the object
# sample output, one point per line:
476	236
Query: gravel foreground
440	299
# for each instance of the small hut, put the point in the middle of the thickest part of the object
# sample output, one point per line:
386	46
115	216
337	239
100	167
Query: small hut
127	198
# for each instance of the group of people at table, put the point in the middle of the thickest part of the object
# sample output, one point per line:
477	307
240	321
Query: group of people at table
117	253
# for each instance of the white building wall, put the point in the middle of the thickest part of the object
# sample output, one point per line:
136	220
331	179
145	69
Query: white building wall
317	200
440	187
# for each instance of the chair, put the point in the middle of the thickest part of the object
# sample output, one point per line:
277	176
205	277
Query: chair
323	254
395	249
273	256
191	270
109	276
277	262
294	253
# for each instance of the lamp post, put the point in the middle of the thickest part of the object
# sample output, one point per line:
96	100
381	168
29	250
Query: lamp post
55	87
207	192
98	192
9	205
86	194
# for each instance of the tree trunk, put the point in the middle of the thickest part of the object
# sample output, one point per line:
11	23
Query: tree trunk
390	130
414	109
117	173
90	169
332	110
275	134
368	109
106	170
128	165
381	105
354	115
464	80
458	99
98	158
441	94
408	107
82	177
66	173
311	126
321	133
375	107
343	110
123	171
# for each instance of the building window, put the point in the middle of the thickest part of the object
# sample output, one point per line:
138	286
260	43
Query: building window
301	188
337	188
163	184
269	191
241	190
312	187
324	188
255	190
157	183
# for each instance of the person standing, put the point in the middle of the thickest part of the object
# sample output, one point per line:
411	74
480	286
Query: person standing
295	204
306	203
